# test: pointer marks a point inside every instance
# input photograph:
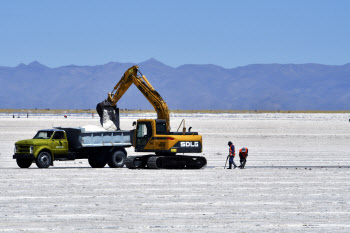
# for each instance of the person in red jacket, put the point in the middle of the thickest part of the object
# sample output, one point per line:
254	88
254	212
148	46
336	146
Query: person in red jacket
231	155
243	154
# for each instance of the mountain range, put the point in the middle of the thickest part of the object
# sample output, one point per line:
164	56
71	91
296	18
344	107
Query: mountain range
187	87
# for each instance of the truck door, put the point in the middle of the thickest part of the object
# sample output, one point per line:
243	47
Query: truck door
59	145
143	135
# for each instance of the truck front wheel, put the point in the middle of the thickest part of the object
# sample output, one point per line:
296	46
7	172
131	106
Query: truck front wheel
24	163
116	159
97	161
43	160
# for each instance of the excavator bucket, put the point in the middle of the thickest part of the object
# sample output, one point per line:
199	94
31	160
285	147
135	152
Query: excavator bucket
109	116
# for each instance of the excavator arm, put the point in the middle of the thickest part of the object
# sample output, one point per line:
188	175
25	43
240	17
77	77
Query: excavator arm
131	77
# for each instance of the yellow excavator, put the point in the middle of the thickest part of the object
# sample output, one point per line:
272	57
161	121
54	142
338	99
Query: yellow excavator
152	135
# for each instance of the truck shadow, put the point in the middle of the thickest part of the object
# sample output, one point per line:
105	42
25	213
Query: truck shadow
290	167
207	167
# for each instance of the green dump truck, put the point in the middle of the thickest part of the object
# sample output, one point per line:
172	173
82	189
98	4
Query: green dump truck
100	148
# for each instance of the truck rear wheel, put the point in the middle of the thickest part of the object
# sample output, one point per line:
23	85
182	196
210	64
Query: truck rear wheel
116	159
24	163
43	160
97	161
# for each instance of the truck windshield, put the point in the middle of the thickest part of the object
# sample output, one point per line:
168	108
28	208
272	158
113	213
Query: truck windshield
43	135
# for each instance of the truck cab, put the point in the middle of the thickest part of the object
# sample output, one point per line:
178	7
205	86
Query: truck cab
46	145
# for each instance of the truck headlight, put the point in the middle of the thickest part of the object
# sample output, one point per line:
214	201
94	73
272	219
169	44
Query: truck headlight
16	148
31	149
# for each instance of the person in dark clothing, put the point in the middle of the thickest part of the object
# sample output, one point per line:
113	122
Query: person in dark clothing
231	155
243	154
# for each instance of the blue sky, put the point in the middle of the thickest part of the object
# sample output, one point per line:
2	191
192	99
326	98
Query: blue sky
225	33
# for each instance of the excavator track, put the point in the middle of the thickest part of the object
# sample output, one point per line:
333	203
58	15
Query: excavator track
166	162
136	162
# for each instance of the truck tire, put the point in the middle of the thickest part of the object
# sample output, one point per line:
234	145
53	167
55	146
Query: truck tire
97	161
116	159
24	163
43	160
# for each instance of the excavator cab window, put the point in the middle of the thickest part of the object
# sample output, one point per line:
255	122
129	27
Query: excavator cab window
144	133
161	128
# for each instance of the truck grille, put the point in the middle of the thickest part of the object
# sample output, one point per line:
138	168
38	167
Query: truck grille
23	149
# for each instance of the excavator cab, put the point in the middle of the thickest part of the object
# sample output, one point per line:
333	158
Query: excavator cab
148	133
143	135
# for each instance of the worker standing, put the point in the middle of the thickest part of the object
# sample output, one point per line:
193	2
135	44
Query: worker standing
231	155
243	154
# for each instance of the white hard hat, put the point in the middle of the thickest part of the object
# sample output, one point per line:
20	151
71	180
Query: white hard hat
243	149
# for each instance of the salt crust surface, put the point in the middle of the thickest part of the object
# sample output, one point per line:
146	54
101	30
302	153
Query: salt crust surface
297	179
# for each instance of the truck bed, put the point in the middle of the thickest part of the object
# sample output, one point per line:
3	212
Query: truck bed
79	138
107	138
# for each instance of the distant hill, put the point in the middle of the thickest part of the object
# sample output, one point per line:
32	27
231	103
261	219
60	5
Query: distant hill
261	87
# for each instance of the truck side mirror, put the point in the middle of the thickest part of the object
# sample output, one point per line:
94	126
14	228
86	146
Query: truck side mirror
134	123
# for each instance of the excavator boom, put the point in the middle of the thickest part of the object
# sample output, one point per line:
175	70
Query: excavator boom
107	109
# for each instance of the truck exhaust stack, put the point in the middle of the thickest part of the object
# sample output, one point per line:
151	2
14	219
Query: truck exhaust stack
109	116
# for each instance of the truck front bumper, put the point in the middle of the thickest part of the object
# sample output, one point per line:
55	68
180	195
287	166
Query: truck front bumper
23	156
